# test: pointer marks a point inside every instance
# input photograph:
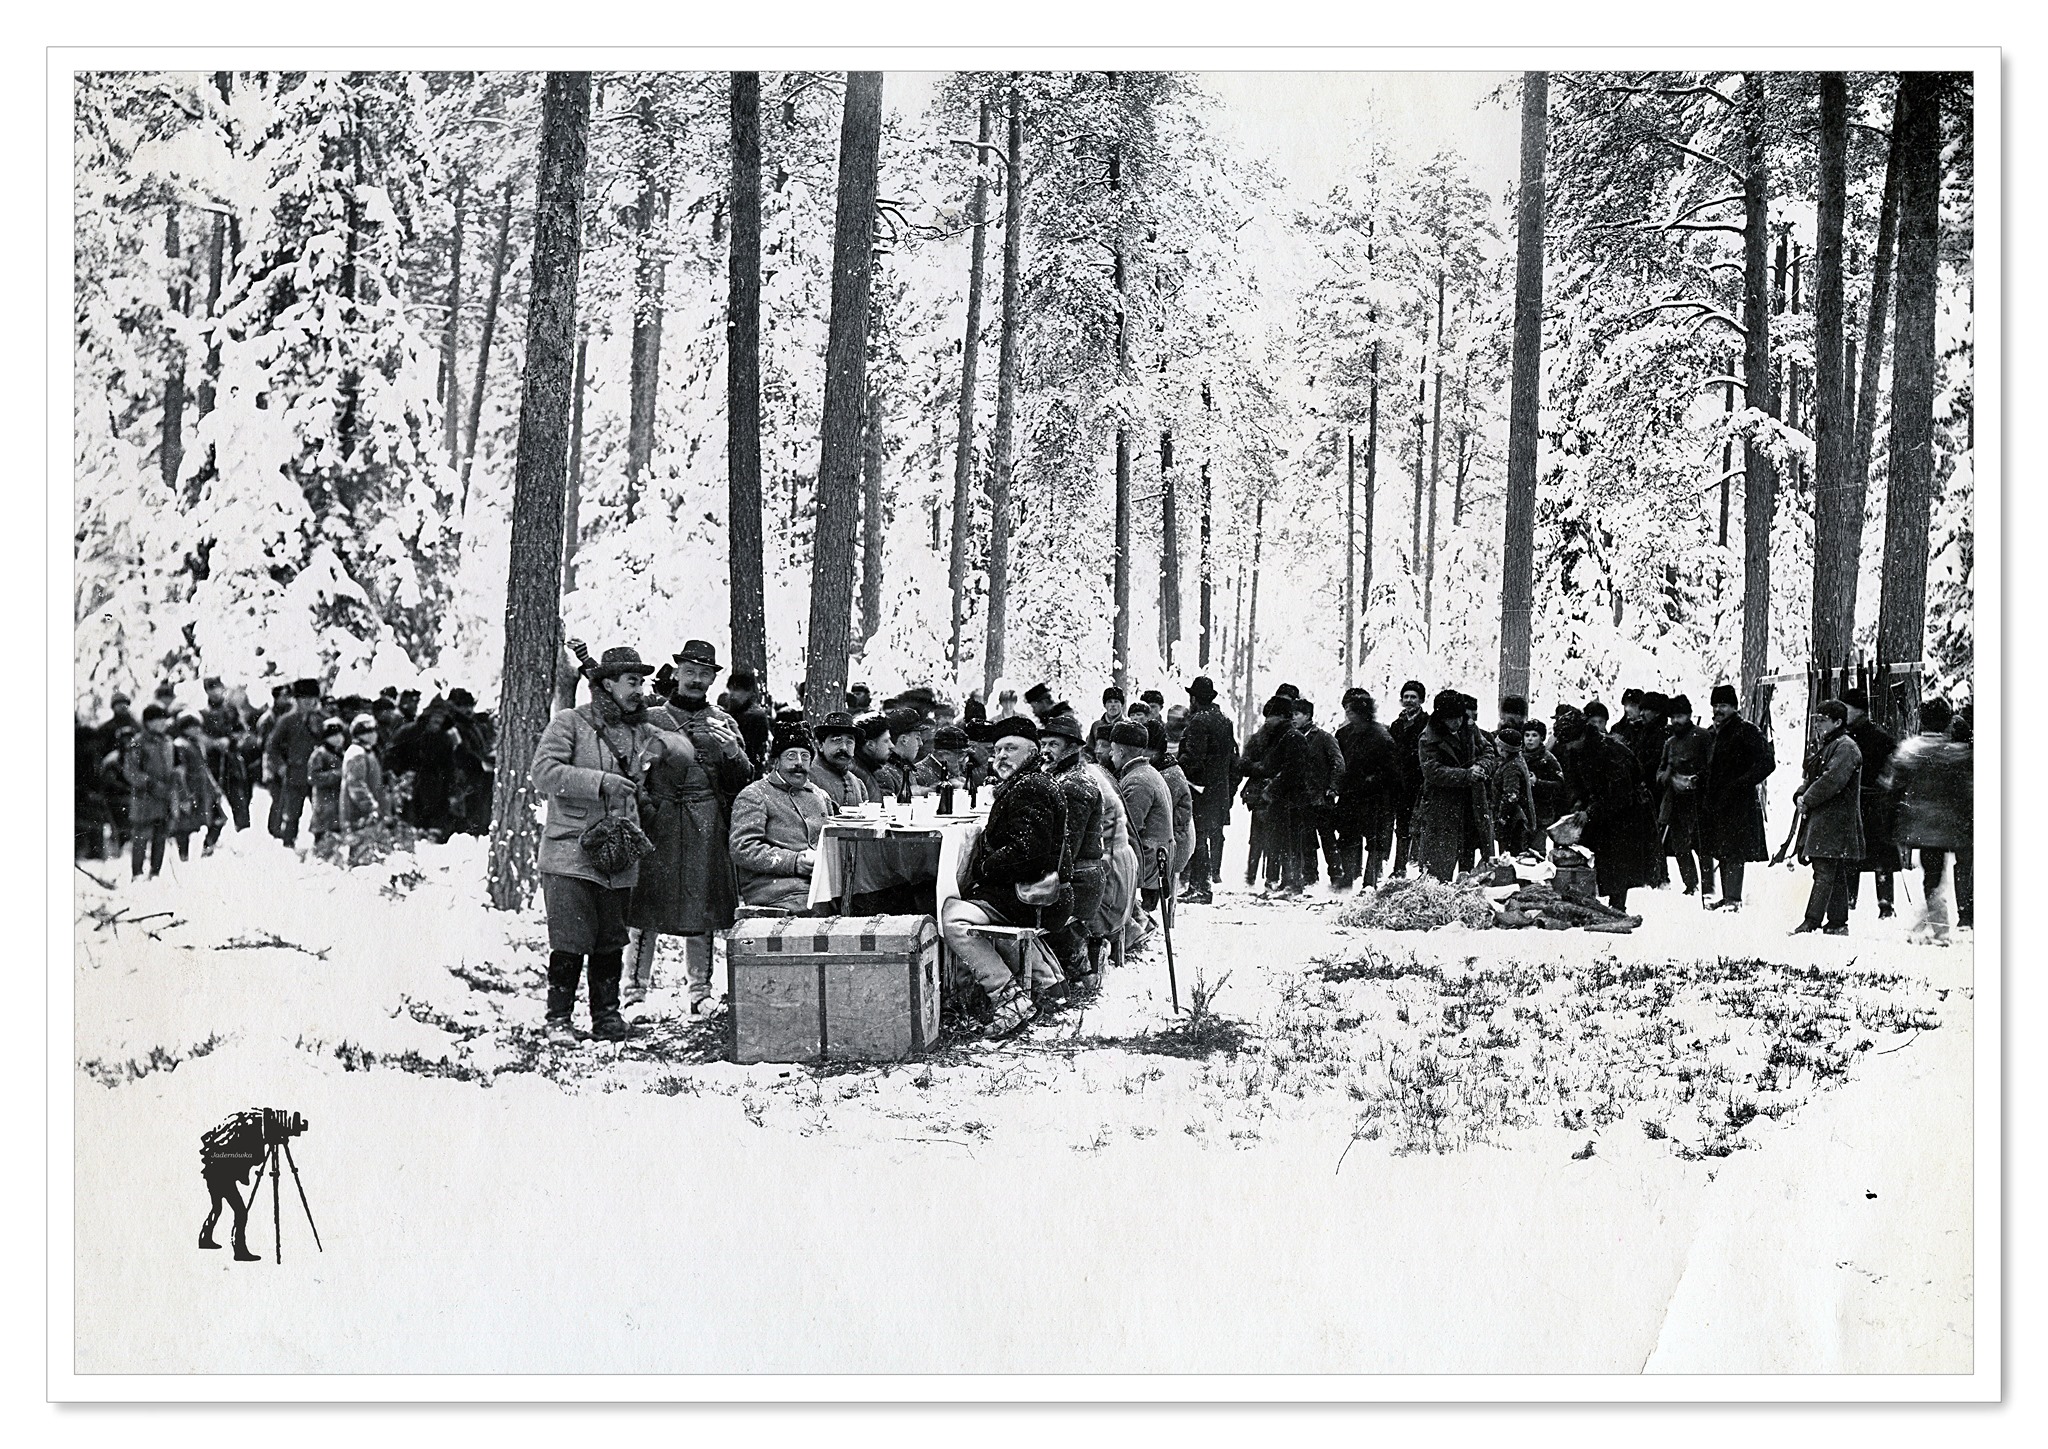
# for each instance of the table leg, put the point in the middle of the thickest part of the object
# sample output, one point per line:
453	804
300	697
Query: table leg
846	852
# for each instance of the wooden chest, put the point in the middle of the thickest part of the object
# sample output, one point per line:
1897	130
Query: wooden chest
841	988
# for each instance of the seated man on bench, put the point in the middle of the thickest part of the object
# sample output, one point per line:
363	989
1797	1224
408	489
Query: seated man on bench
1013	873
776	822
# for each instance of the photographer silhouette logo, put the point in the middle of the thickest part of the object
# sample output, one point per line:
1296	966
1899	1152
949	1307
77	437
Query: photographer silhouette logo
252	1141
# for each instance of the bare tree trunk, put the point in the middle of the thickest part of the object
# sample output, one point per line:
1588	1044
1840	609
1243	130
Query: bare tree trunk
1760	474
1858	466
860	142
451	333
650	276
970	355
1835	533
871	519
483	347
171	453
572	518
1902	594
743	383
532	601
1464	442
1006	401
1236	651
1350	555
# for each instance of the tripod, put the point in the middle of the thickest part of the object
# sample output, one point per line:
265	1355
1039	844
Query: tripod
276	1212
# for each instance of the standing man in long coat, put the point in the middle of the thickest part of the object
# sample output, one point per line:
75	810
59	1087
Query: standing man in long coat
1453	817
1831	824
1880	836
1365	800
1620	824
687	887
1731	813
1680	772
1208	756
1406	728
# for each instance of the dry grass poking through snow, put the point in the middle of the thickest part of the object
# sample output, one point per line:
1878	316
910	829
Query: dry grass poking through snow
1443	1057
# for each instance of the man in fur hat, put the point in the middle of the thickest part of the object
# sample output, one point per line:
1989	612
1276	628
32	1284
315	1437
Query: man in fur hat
588	765
1013	873
1039	697
1731	811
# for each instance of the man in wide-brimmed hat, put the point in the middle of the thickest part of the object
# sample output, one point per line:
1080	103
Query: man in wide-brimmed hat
287	756
590	763
687	886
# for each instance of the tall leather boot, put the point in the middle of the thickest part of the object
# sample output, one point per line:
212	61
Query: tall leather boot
605	1022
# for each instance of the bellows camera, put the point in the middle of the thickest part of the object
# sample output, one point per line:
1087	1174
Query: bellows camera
280	1126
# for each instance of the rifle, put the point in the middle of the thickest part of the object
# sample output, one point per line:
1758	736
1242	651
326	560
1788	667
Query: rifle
1790	835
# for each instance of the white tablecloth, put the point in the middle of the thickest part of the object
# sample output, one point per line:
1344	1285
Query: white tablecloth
956	842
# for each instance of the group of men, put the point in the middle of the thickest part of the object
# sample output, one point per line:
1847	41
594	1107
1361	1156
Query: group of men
362	767
1087	827
1435	789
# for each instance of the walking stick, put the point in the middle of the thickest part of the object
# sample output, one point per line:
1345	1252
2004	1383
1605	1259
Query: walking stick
1166	928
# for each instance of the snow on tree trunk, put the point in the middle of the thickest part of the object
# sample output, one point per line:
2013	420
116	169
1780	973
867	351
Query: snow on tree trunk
1006	400
650	275
483	346
1760	473
749	615
860	140
171	448
1525	388
566	673
1902	595
872	522
970	355
1120	589
1436	461
1836	531
1372	478
451	331
532	602
1169	552
1875	329
1350	555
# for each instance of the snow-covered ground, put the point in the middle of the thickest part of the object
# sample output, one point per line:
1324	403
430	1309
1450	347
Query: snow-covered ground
1461	1151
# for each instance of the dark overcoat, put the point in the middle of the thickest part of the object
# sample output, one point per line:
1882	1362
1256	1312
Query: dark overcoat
1621	825
1731	814
1453	813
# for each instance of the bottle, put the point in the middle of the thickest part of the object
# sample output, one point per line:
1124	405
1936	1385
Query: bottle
946	798
903	790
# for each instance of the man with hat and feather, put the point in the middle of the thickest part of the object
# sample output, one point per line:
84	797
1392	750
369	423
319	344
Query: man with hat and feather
590	765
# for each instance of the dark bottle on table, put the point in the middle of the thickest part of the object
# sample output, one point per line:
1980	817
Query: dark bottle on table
903	790
946	798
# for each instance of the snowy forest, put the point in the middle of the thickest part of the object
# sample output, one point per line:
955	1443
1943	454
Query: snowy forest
1124	401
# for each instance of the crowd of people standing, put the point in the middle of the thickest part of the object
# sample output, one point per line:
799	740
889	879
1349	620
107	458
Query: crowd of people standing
356	775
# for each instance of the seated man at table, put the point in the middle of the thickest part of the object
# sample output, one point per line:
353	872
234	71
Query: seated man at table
1013	874
874	759
1085	861
953	759
832	768
776	822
